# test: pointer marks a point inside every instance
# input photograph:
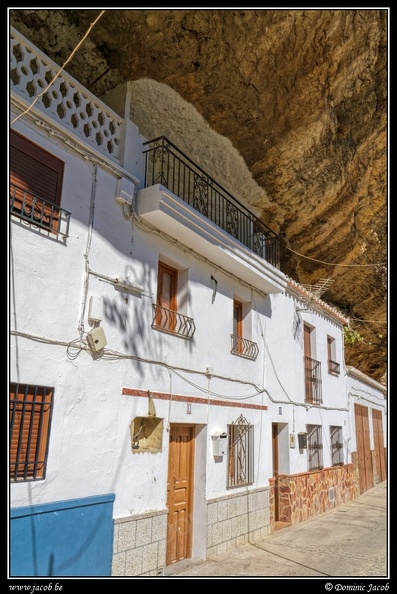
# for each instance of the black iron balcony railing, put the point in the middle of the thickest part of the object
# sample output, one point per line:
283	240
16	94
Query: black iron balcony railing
313	384
168	166
333	367
172	322
42	213
244	347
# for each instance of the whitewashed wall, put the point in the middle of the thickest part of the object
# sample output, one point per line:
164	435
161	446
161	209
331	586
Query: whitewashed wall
90	449
285	380
367	392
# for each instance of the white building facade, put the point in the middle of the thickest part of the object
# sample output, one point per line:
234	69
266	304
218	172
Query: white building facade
173	394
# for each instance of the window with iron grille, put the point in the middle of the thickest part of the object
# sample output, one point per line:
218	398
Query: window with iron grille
336	445
240	453
36	178
30	420
314	447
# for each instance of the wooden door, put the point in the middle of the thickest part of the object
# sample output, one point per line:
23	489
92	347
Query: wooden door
363	448
275	472
180	493
378	444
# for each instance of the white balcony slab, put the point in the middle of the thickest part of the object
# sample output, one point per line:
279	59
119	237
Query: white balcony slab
168	213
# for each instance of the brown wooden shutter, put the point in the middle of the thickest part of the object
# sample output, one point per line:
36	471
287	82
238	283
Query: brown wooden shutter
167	286
29	422
35	169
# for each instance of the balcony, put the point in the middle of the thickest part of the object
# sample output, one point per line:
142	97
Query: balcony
65	103
244	347
313	384
43	214
172	322
168	166
333	367
183	201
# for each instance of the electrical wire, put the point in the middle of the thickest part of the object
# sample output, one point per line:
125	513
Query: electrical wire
369	321
329	263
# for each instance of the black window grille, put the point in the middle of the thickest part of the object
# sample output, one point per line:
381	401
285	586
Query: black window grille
336	445
314	447
241	453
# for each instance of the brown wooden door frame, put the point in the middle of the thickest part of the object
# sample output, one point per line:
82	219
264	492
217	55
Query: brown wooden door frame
180	493
275	432
378	444
363	448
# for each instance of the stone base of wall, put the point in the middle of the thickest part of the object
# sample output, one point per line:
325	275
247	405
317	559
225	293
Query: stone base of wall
356	475
302	496
139	547
139	544
236	520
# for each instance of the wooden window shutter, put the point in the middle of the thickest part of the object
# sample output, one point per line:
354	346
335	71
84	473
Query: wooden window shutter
30	411
34	169
238	318
167	287
307	341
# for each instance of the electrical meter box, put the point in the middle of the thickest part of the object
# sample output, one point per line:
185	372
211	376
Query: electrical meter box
96	339
219	444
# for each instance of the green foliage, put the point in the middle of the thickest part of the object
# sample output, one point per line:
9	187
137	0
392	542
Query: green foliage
351	336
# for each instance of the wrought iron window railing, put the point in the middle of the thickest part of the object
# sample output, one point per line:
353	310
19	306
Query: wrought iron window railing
41	213
333	367
336	445
170	167
172	322
244	347
314	447
240	453
313	383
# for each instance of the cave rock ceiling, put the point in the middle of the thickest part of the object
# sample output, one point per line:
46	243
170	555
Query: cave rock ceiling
300	96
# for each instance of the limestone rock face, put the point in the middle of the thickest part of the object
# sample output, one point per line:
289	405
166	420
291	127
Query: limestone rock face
301	97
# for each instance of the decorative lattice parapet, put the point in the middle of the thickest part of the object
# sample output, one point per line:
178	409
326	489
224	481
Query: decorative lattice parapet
65	100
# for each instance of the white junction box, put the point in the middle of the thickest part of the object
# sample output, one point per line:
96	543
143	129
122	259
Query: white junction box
219	444
96	339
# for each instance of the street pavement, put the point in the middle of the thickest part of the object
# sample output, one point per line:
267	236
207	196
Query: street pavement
350	540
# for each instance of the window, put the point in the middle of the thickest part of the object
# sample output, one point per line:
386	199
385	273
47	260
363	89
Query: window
36	178
241	346
313	384
336	445
240	453
166	315
167	286
314	447
333	366
30	418
237	326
